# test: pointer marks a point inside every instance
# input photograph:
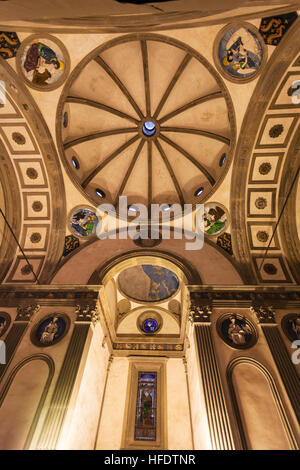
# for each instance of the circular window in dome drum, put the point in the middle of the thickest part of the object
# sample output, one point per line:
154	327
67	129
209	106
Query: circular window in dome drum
75	163
198	192
100	193
222	160
144	110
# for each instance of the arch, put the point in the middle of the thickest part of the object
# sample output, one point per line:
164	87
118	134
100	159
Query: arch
26	115
12	209
275	396
189	271
287	227
50	363
221	267
279	61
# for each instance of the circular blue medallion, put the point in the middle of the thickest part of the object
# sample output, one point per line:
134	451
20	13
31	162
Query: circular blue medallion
150	325
50	330
149	128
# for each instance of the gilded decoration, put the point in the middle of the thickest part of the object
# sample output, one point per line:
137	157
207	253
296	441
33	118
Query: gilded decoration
224	241
9	44
71	243
273	28
148	347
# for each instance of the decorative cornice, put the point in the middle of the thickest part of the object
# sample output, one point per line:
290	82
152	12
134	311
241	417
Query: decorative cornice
155	20
263	314
26	312
48	295
245	296
87	313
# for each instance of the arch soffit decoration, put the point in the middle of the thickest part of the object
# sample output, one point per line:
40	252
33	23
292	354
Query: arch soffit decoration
36	145
255	142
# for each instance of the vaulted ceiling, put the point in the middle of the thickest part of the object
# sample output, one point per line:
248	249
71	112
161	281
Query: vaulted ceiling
96	119
124	85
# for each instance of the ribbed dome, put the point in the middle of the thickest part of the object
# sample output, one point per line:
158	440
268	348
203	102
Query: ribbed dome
147	117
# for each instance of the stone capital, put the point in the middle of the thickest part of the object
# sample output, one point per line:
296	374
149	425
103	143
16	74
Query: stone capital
264	314
87	313
200	313
26	312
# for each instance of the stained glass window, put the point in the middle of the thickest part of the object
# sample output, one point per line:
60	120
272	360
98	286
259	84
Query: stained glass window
150	325
145	420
